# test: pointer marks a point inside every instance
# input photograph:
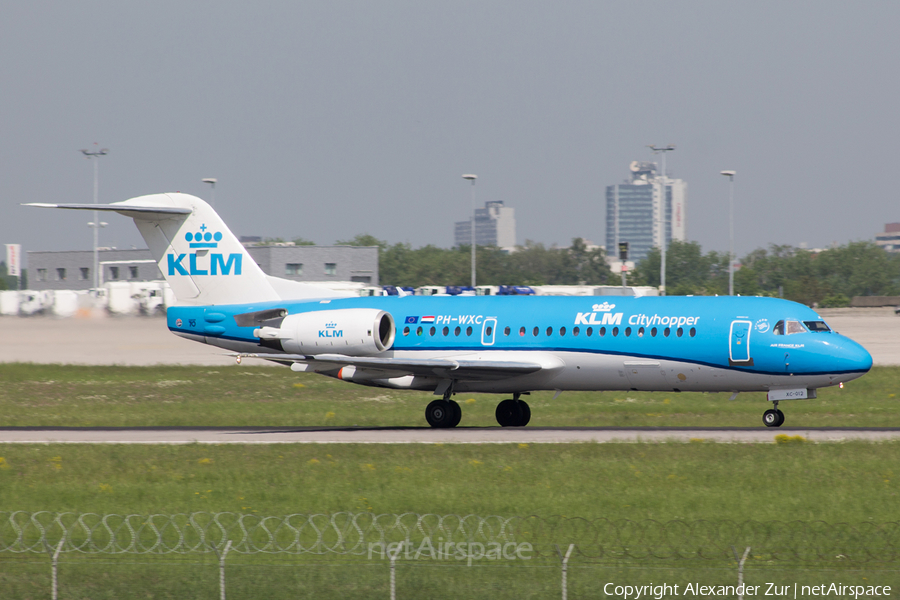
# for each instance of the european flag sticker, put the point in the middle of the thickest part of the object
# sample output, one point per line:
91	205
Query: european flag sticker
412	320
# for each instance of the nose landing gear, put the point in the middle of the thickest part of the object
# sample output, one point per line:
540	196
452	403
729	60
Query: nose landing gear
773	417
513	413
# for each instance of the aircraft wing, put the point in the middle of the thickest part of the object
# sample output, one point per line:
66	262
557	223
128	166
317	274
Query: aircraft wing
445	368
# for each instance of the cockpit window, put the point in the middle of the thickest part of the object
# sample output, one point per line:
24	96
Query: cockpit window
779	328
795	327
817	326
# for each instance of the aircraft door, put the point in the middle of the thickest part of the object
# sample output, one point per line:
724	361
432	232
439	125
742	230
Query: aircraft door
739	344
488	331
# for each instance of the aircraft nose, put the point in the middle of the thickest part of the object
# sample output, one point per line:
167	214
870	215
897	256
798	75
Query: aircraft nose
855	357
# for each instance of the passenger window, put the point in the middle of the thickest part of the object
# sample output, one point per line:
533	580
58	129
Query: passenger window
457	330
433	331
666	332
779	328
795	327
468	331
406	331
590	331
627	331
549	331
506	331
575	331
680	332
615	331
536	331
602	332
653	332
446	331
562	331
641	332
489	331
693	331
521	331
419	331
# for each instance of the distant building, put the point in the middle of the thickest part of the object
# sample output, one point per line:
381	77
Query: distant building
72	270
495	225
318	263
645	210
890	238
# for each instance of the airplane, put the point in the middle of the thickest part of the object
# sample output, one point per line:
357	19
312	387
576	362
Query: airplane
511	345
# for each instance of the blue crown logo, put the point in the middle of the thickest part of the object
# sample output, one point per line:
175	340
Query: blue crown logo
204	238
330	325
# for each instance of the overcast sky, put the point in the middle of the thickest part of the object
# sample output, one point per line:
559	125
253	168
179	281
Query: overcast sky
329	119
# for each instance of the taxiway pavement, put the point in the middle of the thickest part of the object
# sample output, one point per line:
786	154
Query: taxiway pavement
416	435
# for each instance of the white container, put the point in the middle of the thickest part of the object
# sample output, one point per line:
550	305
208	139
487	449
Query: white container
120	300
65	303
9	303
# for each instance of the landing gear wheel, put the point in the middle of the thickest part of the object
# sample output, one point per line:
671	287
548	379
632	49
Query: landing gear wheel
526	413
772	418
439	414
513	413
506	413
455	413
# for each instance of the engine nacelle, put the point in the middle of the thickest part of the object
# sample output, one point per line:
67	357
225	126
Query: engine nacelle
349	331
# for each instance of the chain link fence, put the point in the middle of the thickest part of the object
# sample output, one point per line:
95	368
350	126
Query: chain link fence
528	554
354	534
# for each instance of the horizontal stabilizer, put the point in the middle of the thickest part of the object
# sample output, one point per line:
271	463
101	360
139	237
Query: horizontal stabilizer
120	208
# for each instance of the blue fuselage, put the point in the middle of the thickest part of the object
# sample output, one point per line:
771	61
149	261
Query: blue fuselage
599	343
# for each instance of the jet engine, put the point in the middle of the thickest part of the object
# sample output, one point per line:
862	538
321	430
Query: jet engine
349	331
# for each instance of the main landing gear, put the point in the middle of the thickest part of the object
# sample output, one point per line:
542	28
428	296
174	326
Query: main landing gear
773	417
513	413
443	413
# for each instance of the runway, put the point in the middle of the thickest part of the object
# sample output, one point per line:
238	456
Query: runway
425	435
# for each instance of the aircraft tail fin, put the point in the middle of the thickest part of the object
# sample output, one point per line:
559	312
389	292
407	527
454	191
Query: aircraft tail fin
201	259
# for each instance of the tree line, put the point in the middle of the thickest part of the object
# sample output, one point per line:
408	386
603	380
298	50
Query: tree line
531	264
827	278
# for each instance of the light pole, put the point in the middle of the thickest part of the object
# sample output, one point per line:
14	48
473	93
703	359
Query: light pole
472	178
96	154
730	175
662	215
212	181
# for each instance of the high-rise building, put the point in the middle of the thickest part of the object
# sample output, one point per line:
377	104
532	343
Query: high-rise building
645	210
889	239
495	225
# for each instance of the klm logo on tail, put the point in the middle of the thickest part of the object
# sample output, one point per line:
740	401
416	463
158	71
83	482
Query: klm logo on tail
217	263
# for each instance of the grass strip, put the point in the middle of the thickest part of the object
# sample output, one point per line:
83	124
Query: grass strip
54	395
851	482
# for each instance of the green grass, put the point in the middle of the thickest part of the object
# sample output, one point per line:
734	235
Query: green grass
853	482
52	395
849	482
